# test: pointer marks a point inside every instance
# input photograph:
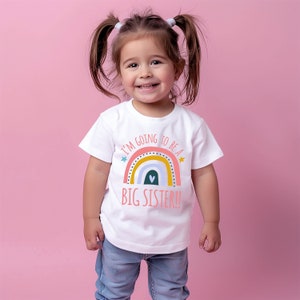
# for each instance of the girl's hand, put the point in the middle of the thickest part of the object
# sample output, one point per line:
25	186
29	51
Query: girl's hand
210	239
93	233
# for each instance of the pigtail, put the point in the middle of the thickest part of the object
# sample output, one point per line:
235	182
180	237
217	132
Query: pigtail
98	53
187	24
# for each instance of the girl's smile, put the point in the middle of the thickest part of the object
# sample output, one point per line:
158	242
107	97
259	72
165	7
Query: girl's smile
148	86
147	75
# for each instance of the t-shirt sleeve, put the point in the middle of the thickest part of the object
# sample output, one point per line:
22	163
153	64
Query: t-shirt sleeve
98	142
206	149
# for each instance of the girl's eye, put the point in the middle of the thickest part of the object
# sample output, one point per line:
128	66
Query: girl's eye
155	62
132	65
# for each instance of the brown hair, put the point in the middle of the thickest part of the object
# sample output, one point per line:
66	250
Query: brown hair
150	25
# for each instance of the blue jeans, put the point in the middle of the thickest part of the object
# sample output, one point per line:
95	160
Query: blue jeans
118	270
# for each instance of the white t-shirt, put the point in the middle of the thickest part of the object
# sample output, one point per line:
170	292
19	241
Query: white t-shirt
149	200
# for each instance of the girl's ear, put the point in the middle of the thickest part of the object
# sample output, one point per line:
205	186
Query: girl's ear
179	69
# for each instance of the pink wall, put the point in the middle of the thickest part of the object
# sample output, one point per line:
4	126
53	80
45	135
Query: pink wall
250	98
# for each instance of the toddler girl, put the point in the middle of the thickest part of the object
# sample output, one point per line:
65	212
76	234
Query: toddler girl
149	158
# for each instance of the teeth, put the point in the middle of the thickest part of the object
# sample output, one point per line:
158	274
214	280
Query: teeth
147	85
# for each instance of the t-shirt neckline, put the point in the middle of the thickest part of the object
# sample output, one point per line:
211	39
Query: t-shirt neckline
142	116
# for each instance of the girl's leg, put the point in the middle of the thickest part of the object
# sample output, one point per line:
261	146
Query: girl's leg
117	271
168	276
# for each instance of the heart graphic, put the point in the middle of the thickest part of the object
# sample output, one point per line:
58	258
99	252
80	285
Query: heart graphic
151	178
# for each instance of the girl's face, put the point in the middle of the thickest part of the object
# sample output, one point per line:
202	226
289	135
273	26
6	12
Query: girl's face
147	74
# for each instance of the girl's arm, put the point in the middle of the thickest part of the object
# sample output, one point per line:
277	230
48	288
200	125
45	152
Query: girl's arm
207	192
93	192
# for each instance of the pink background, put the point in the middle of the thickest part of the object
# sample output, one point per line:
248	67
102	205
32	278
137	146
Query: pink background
250	98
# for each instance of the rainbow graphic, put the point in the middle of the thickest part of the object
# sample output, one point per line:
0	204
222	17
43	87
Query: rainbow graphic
153	165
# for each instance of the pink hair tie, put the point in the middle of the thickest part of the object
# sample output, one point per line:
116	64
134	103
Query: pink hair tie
171	22
118	25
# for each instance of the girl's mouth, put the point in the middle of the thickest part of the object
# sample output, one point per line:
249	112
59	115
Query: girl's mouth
147	86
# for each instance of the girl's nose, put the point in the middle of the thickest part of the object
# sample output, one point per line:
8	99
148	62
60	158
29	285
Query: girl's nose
145	72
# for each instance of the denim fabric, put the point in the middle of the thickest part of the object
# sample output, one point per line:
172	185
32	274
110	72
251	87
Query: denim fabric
118	270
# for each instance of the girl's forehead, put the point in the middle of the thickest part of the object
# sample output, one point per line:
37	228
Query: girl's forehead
144	41
143	47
